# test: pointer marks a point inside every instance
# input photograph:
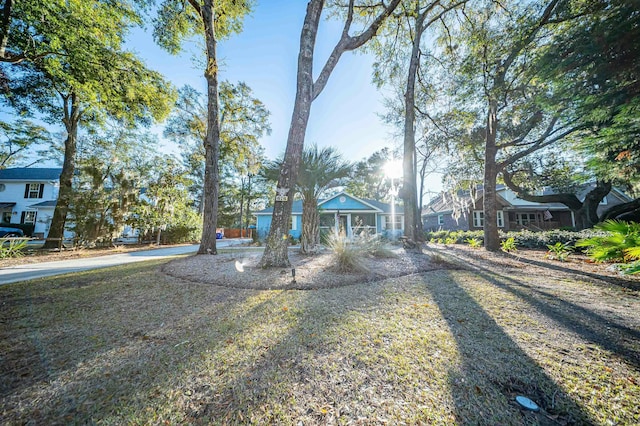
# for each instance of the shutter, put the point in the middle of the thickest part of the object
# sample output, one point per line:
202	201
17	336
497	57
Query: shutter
26	191
22	215
41	190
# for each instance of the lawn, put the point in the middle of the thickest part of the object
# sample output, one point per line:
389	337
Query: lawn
131	345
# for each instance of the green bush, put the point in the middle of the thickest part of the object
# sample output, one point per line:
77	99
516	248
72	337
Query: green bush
522	239
508	245
559	251
182	233
621	242
473	242
12	247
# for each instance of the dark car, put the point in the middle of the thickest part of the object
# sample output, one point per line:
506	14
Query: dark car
6	232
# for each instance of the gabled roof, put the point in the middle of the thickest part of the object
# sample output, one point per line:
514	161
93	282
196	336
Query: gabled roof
374	205
30	174
296	208
50	203
356	199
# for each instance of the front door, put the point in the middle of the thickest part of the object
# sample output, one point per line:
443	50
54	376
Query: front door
343	225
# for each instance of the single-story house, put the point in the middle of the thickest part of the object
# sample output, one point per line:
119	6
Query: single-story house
464	211
28	196
342	213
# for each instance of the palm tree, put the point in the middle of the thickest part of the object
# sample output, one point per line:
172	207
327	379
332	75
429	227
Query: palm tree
320	170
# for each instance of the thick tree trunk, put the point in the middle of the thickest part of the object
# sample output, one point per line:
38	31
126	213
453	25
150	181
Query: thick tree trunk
587	215
212	139
491	237
275	253
409	190
310	226
71	121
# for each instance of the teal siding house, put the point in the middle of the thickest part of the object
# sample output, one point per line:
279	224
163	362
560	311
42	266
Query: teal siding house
342	213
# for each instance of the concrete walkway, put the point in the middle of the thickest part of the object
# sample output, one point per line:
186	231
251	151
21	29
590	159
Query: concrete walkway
32	271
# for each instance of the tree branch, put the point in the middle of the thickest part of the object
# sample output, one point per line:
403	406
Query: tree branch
347	43
569	200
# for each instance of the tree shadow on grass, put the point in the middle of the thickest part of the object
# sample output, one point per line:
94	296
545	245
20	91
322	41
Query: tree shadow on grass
566	268
591	326
493	369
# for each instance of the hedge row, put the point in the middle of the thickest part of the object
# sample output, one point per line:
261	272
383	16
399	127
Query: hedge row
523	239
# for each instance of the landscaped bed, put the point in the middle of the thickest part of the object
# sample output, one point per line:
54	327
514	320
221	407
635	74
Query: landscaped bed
455	341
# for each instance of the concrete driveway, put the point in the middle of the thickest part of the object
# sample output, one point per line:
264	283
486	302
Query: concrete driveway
46	269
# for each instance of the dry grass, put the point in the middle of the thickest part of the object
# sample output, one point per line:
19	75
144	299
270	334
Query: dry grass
131	345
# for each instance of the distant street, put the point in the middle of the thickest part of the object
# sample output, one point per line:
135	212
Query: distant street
46	269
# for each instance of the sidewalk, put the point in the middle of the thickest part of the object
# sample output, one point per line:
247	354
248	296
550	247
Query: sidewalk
47	269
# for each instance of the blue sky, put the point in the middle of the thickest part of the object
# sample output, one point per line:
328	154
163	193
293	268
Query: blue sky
264	56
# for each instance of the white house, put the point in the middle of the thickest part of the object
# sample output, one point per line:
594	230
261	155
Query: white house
28	196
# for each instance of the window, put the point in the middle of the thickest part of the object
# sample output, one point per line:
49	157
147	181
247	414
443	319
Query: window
33	190
29	216
399	220
440	219
524	219
478	219
6	217
293	225
327	220
366	220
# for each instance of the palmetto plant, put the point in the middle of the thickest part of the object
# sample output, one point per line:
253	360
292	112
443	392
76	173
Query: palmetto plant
321	169
621	244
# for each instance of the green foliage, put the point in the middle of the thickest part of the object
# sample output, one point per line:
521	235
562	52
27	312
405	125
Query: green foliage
474	242
17	140
559	251
178	21
245	119
621	243
12	247
367	178
112	168
508	245
631	268
450	240
523	239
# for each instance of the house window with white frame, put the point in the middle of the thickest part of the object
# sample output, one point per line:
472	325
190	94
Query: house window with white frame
399	221
440	219
33	190
478	219
29	216
293	225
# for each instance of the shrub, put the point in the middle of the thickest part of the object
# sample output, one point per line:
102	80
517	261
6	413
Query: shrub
474	242
620	243
348	255
508	245
12	247
559	251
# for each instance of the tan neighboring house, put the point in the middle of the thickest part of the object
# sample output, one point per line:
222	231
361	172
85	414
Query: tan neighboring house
464	211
